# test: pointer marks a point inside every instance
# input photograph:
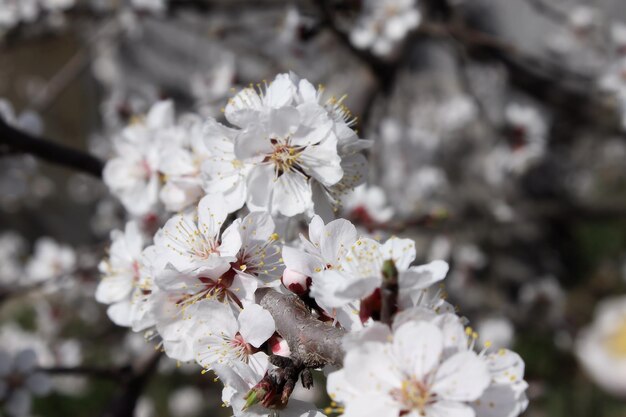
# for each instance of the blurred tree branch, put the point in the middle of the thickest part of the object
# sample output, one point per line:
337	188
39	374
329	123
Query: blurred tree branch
16	140
88	371
548	10
124	403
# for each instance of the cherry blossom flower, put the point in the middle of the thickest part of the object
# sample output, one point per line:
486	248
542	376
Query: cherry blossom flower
19	381
238	384
361	272
409	375
383	24
259	256
181	167
289	147
506	394
325	248
367	204
126	282
133	174
223	173
50	260
234	341
601	348
192	241
177	304
290	153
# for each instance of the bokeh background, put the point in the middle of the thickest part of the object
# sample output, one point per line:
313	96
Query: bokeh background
499	145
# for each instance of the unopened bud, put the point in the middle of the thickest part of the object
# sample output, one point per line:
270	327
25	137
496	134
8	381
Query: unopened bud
296	282
254	396
279	346
390	272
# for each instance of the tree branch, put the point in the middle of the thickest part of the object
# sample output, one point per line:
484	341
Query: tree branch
548	10
87	371
17	140
123	405
311	341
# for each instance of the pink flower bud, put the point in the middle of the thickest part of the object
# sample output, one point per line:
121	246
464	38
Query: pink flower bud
279	346
296	282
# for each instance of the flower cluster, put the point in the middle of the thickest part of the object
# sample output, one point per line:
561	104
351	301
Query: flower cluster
195	284
426	366
289	153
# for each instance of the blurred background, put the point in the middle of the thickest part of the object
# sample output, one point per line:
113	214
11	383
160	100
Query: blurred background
500	146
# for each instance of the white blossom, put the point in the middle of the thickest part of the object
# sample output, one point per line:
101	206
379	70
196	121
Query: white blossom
133	175
601	348
233	341
126	281
409	375
193	241
382	24
368	204
238	384
361	272
50	260
19	381
290	153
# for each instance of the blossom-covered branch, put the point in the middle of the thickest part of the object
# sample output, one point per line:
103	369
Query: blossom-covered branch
313	342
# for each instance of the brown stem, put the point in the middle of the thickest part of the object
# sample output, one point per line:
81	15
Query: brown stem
311	341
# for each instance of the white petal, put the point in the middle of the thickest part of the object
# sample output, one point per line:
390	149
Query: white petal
505	366
301	262
371	406
416	279
333	289
256	226
322	162
120	313
316	229
500	400
256	325
114	288
161	115
283	122
417	346
377	332
259	188
280	92
231	241
463	377
242	110
371	370
449	409
211	216
292	194
402	251
337	238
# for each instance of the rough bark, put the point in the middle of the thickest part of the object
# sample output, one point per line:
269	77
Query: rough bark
310	340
